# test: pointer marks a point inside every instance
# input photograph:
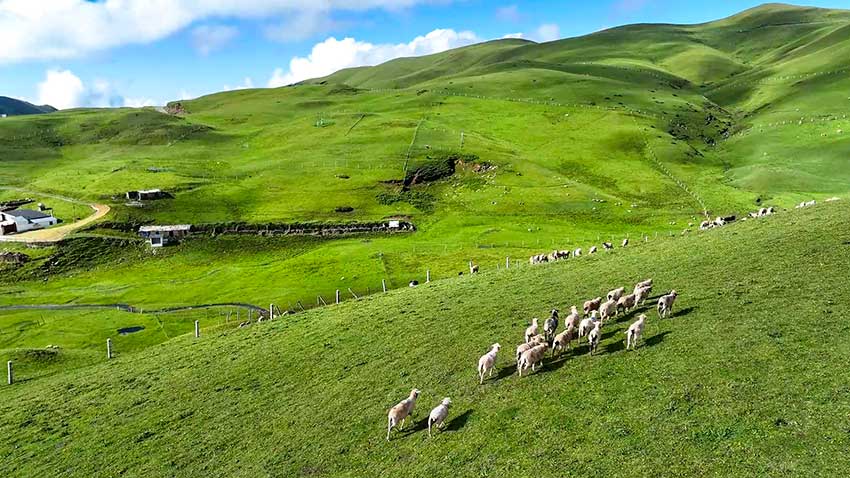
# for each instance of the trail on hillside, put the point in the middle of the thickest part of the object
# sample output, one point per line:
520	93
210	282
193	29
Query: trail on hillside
56	234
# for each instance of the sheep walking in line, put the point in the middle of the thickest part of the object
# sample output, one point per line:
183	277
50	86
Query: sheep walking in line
592	305
473	268
532	358
573	318
487	362
665	304
608	246
550	326
562	340
607	310
536	340
399	413
625	242
634	332
438	415
592	250
594	337
531	331
616	294
587	324
643	284
626	303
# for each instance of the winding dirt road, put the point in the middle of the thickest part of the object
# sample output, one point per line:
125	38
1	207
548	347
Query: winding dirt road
56	234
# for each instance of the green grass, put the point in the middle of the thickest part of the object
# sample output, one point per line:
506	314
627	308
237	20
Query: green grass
725	387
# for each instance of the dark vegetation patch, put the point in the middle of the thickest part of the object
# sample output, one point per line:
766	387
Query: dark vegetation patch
422	200
435	169
344	209
131	330
344	90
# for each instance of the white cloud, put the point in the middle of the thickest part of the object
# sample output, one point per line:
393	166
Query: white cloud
509	13
61	89
514	35
547	32
332	55
246	84
302	26
209	38
34	29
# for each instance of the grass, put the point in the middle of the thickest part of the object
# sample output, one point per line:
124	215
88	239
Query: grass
724	387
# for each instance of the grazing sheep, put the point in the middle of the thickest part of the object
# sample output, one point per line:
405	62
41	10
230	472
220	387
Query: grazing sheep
719	222
607	310
626	303
592	250
473	268
591	305
577	252
634	332
413	283
399	413
587	324
665	304
562	340
438	415
642	294
487	362
608	246
532	357
625	242
616	293
594	337
771	211
550	326
705	225
573	318
642	284
531	330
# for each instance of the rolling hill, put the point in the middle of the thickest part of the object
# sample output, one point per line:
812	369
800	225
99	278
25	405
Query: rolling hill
13	107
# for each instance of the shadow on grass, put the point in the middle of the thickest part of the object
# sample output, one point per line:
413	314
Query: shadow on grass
655	339
683	312
615	347
457	422
503	373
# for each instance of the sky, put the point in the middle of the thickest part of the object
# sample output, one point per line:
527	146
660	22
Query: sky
111	53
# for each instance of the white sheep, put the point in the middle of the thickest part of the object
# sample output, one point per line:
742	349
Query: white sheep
592	250
625	242
531	358
531	330
642	294
616	293
562	340
399	413
594	337
607	309
608	246
438	415
487	362
634	332
626	303
573	318
665	304
577	252
642	284
586	324
473	268
591	305
550	326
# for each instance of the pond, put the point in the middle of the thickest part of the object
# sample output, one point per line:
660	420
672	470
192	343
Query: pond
130	330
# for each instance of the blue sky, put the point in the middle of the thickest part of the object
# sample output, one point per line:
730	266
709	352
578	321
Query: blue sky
136	52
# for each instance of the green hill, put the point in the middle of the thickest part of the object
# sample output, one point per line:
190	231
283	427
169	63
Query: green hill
13	107
748	378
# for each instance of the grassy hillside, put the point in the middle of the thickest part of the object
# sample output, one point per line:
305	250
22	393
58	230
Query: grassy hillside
725	387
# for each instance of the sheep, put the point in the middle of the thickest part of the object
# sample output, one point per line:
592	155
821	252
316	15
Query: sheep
592	250
634	332
573	318
586	324
705	225
591	305
487	362
616	293
473	268
438	415
562	340
607	309
719	222
665	304
550	326
532	357
626	303
642	294
399	413
643	283
577	252
607	245
771	211
593	337
625	242
531	330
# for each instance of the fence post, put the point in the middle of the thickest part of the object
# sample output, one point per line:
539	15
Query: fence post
384	284
507	262
10	378
271	311
428	275
197	329
108	348
337	296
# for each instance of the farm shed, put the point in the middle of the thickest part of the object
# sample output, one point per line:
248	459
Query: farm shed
148	195
22	220
159	236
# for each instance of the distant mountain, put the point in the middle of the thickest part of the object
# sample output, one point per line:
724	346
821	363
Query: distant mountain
13	107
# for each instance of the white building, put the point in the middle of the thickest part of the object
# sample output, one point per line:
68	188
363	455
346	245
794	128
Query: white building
158	236
23	220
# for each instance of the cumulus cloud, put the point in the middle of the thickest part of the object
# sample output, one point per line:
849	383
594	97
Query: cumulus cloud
63	89
332	55
302	26
209	38
71	28
514	35
547	32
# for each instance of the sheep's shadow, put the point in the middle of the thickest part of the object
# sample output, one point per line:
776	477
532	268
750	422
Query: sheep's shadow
615	347
682	312
457	422
420	425
503	373
655	339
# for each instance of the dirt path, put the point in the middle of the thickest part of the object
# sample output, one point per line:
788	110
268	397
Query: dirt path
58	233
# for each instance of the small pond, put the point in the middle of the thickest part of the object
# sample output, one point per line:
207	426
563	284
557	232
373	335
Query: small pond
130	330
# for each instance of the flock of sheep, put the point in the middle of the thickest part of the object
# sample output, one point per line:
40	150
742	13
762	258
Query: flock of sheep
555	256
586	325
